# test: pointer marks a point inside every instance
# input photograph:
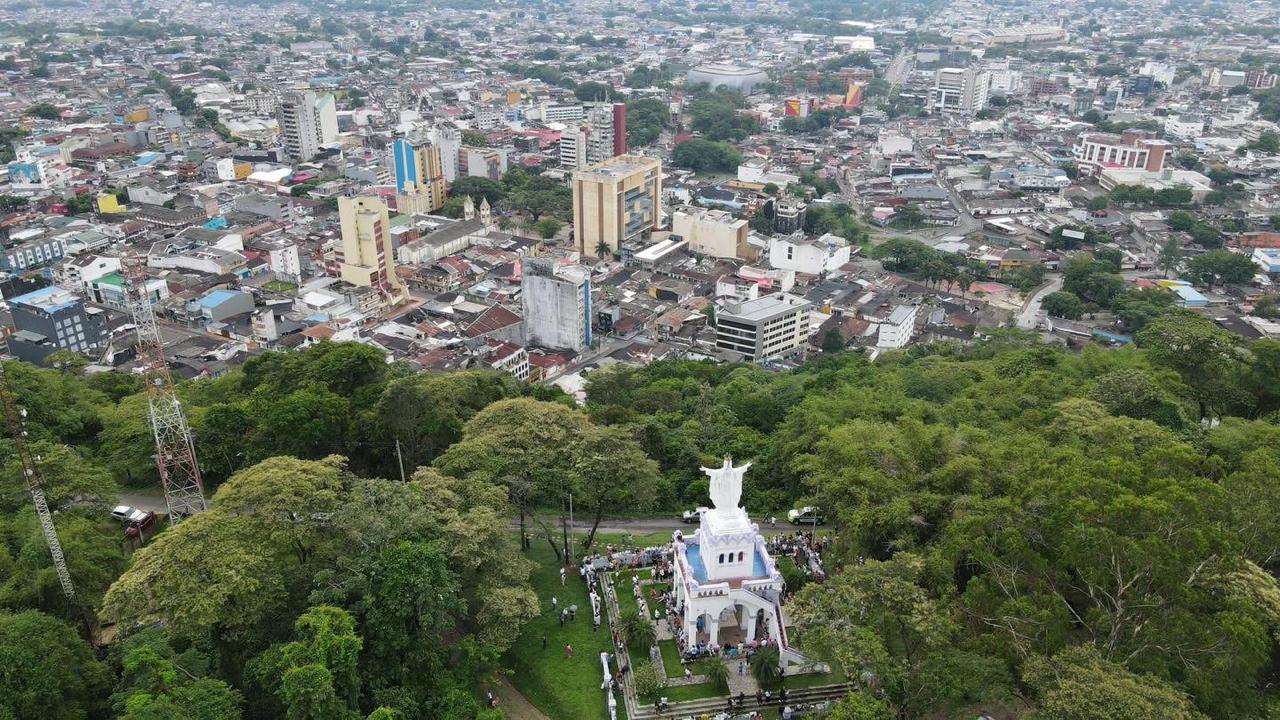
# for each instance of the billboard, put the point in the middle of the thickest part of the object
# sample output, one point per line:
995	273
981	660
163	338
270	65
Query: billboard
21	173
853	95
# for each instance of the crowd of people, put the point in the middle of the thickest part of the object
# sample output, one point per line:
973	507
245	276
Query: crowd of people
803	548
615	558
736	708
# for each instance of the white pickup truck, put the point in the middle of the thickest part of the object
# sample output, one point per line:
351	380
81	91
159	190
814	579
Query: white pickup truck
694	515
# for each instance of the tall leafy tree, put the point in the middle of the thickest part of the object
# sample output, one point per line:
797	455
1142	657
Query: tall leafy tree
1203	354
46	671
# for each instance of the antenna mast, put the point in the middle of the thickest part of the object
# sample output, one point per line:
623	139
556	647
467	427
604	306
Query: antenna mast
175	451
15	417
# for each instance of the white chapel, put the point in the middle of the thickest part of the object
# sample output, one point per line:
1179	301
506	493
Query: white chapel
727	587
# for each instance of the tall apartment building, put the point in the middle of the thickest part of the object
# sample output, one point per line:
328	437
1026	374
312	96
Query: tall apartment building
1135	149
556	297
961	91
449	141
1259	79
53	319
766	328
307	122
715	233
419	172
598	136
616	201
366	254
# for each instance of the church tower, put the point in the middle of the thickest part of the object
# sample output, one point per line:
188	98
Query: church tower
468	209
486	215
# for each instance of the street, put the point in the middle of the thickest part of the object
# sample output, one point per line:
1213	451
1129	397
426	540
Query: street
1027	317
154	502
899	68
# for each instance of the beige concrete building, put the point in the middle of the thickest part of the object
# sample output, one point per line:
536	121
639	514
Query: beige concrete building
616	201
715	233
365	255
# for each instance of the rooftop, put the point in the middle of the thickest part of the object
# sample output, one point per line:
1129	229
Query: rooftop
620	166
764	307
50	299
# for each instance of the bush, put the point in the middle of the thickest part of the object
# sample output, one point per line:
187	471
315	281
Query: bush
647	681
792	576
638	632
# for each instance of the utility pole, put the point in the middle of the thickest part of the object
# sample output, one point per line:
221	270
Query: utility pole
400	459
175	451
15	417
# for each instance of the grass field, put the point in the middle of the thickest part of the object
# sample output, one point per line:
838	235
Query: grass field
567	688
671	658
690	692
622	584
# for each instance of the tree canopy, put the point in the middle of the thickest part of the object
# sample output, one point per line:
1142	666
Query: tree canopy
1021	529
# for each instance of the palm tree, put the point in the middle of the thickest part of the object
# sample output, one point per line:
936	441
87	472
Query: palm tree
765	668
638	631
602	249
718	674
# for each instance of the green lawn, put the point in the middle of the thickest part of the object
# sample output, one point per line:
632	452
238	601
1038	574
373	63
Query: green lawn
813	679
560	687
684	693
626	597
671	658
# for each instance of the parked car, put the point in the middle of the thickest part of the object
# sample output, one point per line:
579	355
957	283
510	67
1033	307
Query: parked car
694	515
126	514
807	515
141	525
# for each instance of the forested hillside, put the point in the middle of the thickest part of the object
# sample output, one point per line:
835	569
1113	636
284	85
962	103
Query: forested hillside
1020	530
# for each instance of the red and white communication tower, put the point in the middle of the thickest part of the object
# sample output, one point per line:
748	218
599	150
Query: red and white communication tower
15	416
175	451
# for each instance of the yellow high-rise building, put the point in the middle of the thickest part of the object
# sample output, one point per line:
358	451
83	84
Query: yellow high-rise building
366	254
616	201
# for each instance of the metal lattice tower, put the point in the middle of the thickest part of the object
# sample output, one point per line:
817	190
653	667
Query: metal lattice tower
15	417
175	451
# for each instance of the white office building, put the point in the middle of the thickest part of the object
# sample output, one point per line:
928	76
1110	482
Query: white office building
769	327
810	256
960	91
898	329
1184	127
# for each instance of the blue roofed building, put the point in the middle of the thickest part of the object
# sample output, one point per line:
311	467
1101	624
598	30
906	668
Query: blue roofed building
1186	296
218	305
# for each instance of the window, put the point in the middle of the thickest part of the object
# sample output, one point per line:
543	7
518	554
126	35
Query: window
739	556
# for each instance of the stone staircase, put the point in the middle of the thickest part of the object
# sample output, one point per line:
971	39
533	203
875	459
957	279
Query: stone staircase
711	706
